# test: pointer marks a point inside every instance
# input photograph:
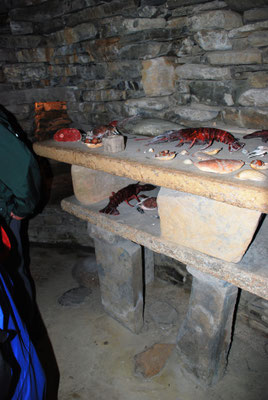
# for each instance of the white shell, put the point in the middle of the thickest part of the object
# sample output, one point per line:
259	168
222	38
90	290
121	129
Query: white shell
184	152
251	174
187	161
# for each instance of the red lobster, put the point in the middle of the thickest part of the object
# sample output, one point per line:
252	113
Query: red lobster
258	134
126	194
197	135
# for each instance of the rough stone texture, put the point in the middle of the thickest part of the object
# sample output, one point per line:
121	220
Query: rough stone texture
148	256
113	144
163	313
254	311
206	225
74	297
151	127
223	94
200	71
256	14
52	226
256	97
213	40
158	76
126	57
121	281
215	20
246	117
204	338
85	271
151	361
91	186
195	114
235	57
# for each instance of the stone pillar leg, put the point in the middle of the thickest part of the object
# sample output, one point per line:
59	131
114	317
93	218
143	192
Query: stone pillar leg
121	277
148	265
204	338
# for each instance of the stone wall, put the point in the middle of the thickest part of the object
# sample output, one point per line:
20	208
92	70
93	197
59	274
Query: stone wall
192	62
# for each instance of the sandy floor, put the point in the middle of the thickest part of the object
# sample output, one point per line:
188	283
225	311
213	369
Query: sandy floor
94	354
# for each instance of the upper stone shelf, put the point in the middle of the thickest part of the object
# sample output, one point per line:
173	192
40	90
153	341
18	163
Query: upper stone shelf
140	164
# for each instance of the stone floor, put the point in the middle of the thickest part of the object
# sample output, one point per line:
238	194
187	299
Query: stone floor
95	355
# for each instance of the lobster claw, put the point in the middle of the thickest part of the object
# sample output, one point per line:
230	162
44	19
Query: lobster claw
259	151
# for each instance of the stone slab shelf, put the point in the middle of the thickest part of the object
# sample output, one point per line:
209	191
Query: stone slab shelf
250	274
136	163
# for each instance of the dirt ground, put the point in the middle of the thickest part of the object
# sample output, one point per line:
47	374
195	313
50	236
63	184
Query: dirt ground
93	355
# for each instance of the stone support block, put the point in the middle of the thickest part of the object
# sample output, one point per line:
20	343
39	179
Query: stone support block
114	143
148	265
121	280
91	186
209	226
204	338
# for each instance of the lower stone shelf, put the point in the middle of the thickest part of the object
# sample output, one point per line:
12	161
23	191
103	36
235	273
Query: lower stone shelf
250	274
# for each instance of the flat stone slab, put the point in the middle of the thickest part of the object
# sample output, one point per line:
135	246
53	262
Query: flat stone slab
212	227
251	273
151	361
137	163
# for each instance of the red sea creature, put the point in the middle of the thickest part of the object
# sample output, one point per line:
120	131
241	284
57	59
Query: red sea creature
197	135
105	130
258	134
67	135
126	194
110	129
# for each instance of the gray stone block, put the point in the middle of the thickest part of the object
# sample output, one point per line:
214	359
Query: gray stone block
121	281
204	338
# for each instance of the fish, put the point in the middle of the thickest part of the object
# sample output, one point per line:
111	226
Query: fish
219	166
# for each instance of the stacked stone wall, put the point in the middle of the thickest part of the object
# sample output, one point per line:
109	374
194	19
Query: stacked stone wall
192	62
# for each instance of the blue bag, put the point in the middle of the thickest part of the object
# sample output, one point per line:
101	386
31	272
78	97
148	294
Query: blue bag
19	363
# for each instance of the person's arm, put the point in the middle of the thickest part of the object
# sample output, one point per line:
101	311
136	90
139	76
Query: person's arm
19	171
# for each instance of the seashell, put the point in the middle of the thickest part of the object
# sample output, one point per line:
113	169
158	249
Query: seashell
212	152
184	152
258	164
251	174
187	161
151	150
219	166
201	155
165	155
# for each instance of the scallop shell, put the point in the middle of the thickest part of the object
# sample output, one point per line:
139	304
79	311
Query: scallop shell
258	164
251	174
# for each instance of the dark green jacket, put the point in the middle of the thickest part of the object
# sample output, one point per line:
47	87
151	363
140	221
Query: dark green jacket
19	173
